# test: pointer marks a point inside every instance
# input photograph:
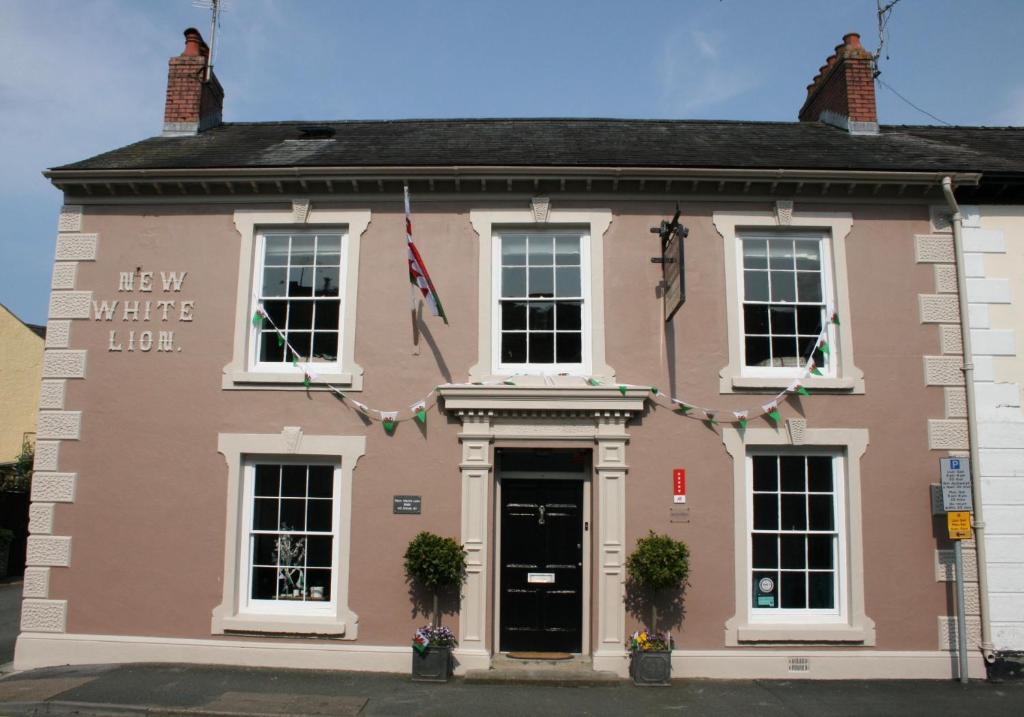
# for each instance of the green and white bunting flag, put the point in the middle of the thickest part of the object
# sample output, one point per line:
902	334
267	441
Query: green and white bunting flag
593	381
654	390
741	418
419	410
772	411
389	419
710	416
683	407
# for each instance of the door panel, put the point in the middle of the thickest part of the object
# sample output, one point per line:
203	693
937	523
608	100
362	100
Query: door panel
541	533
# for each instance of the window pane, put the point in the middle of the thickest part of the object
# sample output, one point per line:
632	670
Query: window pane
320	579
277	312
300	315
300	342
819	551
569	348
821	517
758	351
318	548
784	351
293	514
300	281
542	348
327	244
264	514
569	315
513	315
794	512
293	481
276	253
808	320
264	549
780	254
755	254
513	347
809	285
791	549
783	286
267	480
327	315
766	598
269	350
807	347
318	516
274	281
302	251
567	250
541	251
542	282
819	474
755	285
792	469
822	589
542	316
325	346
326	283
513	282
765	476
794	590
567	282
321	481
755	319
513	251
264	583
808	254
766	516
783	320
765	550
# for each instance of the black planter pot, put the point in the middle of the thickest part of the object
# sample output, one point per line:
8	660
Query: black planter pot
432	665
651	669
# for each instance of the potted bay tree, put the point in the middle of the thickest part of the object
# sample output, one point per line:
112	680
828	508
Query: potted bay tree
659	564
435	564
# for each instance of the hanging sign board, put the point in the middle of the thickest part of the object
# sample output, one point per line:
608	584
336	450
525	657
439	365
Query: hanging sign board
679	485
959	524
407	505
673	275
955	477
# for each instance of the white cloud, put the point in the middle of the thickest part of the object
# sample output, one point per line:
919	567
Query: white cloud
697	72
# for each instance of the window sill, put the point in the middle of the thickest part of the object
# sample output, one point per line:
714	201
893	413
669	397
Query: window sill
734	384
290	380
281	624
809	633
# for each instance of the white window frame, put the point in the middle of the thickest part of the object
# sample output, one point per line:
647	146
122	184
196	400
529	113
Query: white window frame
487	223
236	612
843	375
848	623
838	614
325	367
244	371
247	604
827	294
580	369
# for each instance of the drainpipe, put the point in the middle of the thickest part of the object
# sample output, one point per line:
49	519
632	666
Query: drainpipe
987	650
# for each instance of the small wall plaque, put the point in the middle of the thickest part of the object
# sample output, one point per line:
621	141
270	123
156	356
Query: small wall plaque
407	504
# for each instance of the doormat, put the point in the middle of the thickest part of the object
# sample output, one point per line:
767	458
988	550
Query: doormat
540	655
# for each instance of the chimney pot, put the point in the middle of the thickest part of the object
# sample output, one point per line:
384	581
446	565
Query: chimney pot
852	39
193	103
843	91
193	41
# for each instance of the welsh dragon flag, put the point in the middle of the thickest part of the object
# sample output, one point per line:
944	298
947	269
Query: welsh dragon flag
418	275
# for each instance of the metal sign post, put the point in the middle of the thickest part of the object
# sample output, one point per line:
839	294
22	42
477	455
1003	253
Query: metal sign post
955	476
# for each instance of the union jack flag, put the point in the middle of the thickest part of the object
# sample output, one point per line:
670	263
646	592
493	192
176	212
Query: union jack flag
418	275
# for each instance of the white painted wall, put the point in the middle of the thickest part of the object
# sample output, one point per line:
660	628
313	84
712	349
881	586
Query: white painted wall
994	258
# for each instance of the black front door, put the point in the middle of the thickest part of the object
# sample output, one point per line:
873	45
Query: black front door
541	565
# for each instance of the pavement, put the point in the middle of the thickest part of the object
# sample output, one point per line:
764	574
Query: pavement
155	689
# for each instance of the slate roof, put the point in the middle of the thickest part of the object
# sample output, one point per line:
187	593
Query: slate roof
575	143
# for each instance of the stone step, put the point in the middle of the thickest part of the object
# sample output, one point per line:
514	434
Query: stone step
576	671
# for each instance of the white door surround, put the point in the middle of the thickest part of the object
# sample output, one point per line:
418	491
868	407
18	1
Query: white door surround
536	416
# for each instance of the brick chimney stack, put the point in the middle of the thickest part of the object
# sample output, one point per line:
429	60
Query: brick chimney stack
843	92
193	102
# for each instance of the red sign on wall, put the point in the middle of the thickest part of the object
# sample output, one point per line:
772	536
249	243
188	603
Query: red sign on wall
679	485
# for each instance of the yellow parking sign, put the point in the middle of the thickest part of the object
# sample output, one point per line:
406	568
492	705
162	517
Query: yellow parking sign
959	524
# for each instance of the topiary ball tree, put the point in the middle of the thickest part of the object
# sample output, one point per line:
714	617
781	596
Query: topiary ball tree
659	562
435	563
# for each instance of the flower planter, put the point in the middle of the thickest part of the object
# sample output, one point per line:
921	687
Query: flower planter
432	665
652	668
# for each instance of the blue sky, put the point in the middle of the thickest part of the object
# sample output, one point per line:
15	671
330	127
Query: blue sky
84	76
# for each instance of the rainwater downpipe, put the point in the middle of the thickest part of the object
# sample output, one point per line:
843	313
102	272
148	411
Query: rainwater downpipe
956	222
